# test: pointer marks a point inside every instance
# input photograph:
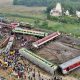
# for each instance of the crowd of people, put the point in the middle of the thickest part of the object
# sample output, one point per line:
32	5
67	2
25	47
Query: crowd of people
31	72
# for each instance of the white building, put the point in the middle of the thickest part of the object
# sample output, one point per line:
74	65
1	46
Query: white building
67	13
78	14
57	11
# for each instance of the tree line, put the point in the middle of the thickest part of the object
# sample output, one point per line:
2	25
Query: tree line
71	5
32	2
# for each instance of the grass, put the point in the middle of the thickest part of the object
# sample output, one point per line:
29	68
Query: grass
29	14
37	12
76	75
74	29
66	28
19	19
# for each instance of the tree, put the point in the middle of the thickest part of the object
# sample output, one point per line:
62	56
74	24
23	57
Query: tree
71	5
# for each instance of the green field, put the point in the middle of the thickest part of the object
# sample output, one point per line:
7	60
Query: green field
54	26
24	11
30	14
68	28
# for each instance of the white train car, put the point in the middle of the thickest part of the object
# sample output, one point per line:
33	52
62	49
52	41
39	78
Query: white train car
70	65
45	39
42	63
29	32
9	45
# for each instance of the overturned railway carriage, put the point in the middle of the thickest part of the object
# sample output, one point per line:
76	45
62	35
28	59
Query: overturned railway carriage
29	32
42	63
9	45
45	39
4	24
11	25
4	43
70	65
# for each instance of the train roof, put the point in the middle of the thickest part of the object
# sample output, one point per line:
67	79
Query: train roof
28	30
70	62
53	35
36	56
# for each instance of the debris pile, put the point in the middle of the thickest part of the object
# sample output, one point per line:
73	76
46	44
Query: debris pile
18	35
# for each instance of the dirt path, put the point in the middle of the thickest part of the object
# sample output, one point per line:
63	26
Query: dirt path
5	2
69	78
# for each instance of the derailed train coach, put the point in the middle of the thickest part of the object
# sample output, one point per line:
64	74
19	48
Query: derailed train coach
42	63
29	32
70	65
46	39
9	45
4	43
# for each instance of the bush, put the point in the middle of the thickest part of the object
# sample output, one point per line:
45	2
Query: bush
64	19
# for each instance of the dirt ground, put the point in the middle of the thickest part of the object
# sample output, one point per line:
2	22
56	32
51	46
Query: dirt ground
58	52
69	78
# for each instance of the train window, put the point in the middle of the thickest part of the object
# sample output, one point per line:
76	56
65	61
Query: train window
52	65
67	69
27	31
30	32
24	31
18	30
